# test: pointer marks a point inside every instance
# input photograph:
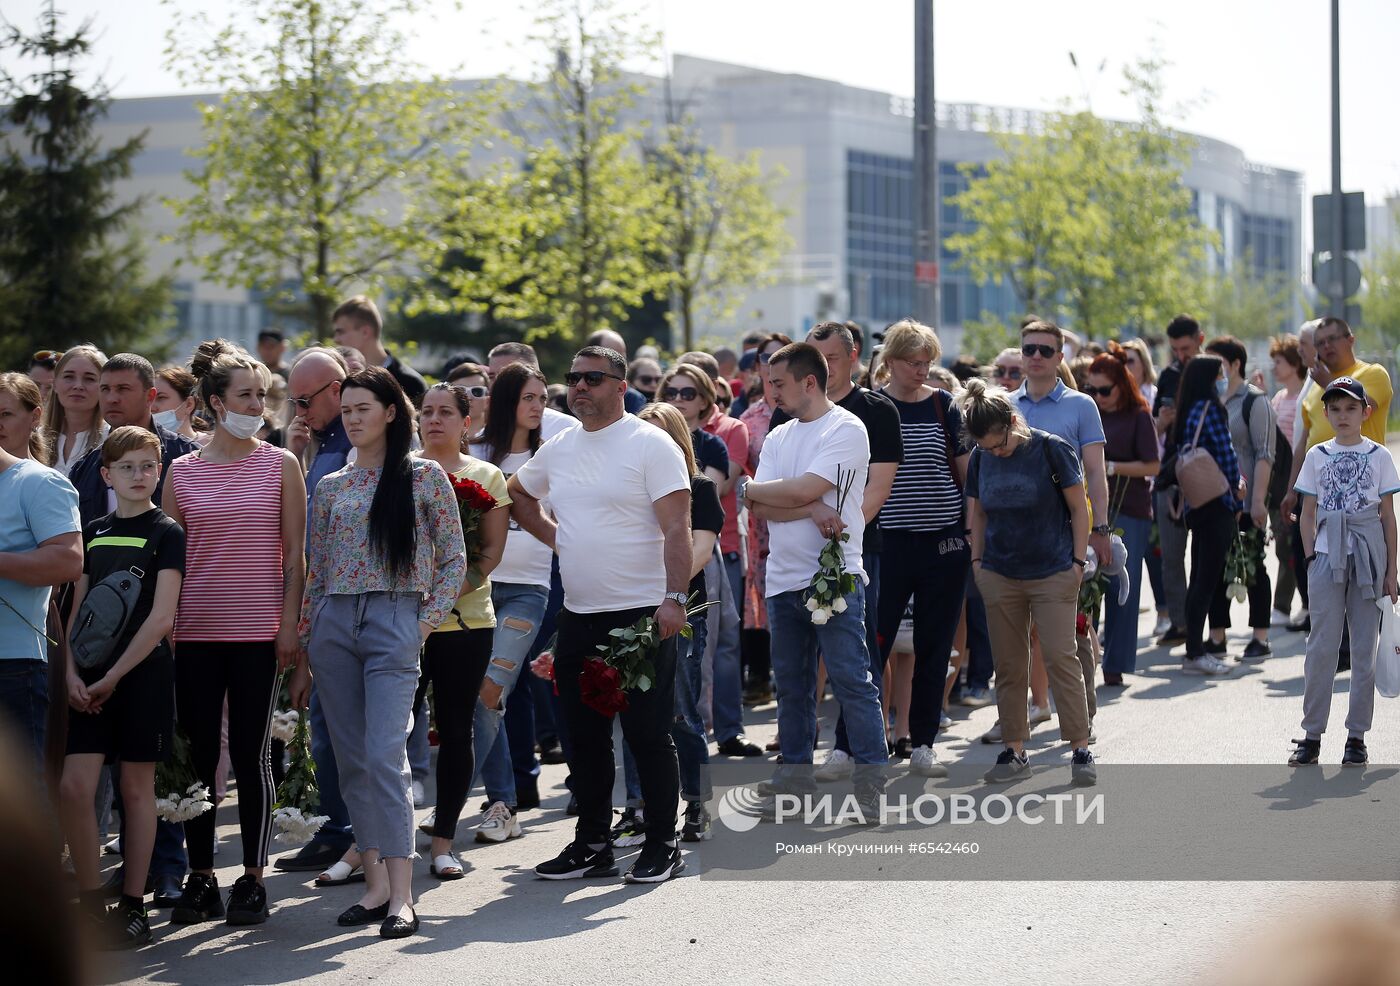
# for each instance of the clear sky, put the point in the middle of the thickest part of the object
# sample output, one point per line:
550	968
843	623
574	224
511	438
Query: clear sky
1260	67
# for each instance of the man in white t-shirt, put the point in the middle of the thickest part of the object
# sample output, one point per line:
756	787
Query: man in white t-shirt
621	500
795	490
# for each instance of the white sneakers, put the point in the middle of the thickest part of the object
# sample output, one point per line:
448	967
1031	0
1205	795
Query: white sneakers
1037	715
498	824
419	797
837	766
924	763
1205	665
1164	623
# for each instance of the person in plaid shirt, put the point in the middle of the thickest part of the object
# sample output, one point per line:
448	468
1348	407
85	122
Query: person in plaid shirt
1213	525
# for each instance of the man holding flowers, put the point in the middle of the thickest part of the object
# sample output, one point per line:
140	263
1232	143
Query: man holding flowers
809	488
621	496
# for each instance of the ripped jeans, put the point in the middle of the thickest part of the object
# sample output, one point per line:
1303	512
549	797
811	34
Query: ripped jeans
519	610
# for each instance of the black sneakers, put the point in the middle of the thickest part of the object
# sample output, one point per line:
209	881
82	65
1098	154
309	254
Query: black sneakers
630	830
247	901
697	822
1306	751
1174	636
1082	771
1256	648
125	927
199	901
1355	753
1010	766
1216	646
656	863
578	861
739	746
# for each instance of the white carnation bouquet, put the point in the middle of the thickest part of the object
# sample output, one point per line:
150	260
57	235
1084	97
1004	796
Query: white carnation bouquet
298	797
826	593
284	724
179	794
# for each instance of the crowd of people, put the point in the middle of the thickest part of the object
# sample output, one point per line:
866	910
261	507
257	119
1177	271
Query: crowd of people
251	533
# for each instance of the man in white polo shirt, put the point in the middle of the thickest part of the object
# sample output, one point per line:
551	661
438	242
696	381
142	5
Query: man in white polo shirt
619	490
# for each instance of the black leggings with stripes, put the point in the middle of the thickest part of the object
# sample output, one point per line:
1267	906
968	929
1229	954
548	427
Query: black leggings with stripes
206	671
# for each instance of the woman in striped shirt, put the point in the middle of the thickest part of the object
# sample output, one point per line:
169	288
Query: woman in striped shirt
242	503
925	551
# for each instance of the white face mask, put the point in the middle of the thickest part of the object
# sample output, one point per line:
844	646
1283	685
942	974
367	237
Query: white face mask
243	426
169	420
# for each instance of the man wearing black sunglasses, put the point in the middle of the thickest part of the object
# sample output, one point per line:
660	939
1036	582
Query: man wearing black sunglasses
621	498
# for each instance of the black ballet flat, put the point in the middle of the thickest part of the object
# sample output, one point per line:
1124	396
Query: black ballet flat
397	927
356	915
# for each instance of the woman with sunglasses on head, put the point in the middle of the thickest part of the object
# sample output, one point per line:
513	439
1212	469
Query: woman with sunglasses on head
456	653
757	418
1132	459
924	555
475	379
1029	522
386	567
174	406
242	503
73	422
519	593
690	391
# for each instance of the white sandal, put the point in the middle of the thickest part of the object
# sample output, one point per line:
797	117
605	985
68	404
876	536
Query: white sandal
447	866
340	873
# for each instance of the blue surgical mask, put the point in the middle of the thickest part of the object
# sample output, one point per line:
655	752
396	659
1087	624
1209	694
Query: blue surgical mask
169	420
1220	387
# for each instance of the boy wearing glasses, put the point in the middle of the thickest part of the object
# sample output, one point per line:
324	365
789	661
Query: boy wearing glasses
124	710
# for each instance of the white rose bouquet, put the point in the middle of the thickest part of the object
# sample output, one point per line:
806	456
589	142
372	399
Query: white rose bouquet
826	593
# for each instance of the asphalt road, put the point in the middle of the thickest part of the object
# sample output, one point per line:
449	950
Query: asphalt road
500	922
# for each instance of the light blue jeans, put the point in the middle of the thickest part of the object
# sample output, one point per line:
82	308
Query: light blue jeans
723	626
1120	635
364	653
796	641
519	610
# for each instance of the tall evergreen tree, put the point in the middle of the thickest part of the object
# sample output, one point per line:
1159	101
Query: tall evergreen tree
72	268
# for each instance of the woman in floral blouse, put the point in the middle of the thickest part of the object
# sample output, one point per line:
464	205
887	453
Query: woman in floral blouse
757	417
386	567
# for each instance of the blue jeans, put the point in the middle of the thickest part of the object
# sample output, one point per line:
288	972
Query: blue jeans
1120	635
336	831
687	730
841	641
24	705
871	562
420	752
723	626
979	643
519	610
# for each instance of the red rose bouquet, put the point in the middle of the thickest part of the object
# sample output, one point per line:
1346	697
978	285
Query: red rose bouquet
626	663
472	503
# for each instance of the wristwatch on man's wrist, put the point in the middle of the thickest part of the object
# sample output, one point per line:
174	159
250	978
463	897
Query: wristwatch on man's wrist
1103	529
677	597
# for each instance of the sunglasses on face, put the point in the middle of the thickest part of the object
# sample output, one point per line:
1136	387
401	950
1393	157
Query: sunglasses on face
477	391
681	393
1098	391
764	357
305	402
1034	349
594	378
648	381
1008	372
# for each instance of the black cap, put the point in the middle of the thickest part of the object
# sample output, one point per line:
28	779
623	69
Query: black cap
1348	386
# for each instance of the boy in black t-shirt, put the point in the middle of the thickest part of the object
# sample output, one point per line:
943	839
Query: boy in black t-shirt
124	710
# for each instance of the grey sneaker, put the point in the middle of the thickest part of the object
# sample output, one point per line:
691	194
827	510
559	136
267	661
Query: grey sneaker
837	766
1081	766
1010	766
976	698
993	735
924	763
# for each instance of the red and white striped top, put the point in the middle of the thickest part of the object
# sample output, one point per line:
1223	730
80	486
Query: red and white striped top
233	546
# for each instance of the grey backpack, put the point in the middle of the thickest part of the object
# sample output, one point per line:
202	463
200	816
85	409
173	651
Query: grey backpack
106	611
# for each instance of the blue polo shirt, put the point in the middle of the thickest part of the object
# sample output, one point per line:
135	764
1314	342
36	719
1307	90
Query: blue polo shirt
1064	412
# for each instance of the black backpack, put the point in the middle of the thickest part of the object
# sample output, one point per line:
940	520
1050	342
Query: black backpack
107	609
1283	456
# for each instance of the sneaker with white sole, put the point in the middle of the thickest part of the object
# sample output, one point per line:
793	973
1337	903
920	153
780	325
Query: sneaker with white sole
924	762
1037	715
993	735
837	766
630	829
499	824
1164	623
1204	665
420	797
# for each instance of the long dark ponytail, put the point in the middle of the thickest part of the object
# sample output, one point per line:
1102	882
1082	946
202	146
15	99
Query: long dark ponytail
499	434
393	516
1197	385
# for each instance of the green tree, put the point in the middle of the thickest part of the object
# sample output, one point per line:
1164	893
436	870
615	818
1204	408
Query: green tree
71	268
721	231
571	230
322	152
1243	301
1088	217
986	336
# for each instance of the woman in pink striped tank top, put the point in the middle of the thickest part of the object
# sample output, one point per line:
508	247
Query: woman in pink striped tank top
242	503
